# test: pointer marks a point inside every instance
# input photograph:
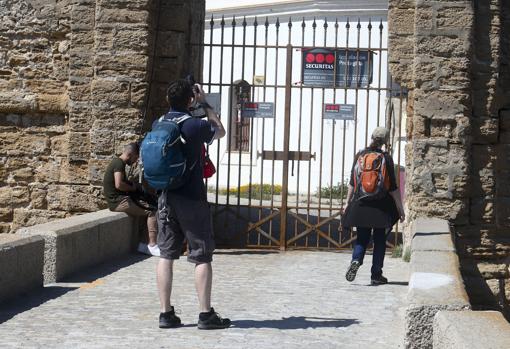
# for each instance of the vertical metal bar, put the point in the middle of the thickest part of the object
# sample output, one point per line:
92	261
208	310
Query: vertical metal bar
286	136
303	25
314	27
277	25
319	213
240	122
218	167
232	87
399	149
358	27
379	78
333	139
252	143
368	85
266	30
347	28
211	25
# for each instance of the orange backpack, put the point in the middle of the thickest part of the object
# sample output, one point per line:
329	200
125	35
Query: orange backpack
371	178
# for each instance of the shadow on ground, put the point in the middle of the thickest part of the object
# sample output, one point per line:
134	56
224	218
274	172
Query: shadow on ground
27	301
295	323
241	252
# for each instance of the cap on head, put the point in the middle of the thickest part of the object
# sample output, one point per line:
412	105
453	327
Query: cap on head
381	133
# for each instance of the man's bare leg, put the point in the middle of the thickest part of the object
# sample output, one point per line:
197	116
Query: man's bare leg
164	272
203	284
152	228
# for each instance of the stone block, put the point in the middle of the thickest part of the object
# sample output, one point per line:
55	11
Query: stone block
82	18
75	198
455	17
21	265
78	148
442	46
47	103
109	94
470	330
138	95
23	144
424	18
119	17
23	217
74	172
38	196
102	141
124	66
75	243
58	145
97	168
435	284
127	4
125	39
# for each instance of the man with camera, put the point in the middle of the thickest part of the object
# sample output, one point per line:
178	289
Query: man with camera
120	195
183	212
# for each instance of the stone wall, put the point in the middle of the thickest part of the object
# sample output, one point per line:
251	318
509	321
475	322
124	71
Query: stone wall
453	56
76	77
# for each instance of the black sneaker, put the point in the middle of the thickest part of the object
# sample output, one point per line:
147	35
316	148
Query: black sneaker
351	272
381	280
169	319
212	321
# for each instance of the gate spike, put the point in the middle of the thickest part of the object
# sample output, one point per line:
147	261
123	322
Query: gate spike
359	24
277	23
314	24
381	26
370	24
336	23
325	23
347	25
290	22
234	21
222	23
303	24
211	22
255	23
266	24
244	21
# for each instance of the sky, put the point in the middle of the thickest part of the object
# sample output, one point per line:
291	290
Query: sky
217	4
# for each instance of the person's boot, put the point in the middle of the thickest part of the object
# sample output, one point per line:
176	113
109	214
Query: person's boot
351	272
169	319
378	280
212	321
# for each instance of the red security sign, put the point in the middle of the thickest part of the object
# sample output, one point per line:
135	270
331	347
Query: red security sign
318	67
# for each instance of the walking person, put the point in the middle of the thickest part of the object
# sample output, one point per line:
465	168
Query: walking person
120	195
183	212
374	205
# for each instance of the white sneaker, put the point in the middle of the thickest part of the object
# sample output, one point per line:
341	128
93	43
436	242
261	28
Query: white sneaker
143	248
154	250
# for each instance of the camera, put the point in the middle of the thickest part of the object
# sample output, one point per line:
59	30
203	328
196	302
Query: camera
191	80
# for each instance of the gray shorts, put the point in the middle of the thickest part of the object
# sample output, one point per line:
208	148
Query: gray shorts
180	218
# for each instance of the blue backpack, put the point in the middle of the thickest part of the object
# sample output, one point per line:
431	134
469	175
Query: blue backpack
163	159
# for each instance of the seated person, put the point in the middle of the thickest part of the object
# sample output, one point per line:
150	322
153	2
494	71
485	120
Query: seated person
120	194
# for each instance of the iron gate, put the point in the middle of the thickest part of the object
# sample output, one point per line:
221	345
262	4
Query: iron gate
281	180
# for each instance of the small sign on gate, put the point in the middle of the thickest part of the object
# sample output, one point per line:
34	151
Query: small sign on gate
257	110
339	111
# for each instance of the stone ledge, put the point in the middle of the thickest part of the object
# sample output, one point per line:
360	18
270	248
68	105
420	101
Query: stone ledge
82	241
21	265
435	284
470	330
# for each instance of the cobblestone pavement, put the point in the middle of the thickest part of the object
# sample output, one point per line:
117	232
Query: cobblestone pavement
275	300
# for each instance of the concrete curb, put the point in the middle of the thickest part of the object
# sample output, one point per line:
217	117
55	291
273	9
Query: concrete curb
81	241
435	284
471	330
21	265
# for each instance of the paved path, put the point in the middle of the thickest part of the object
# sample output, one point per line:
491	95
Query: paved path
276	300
